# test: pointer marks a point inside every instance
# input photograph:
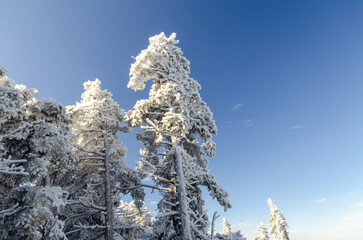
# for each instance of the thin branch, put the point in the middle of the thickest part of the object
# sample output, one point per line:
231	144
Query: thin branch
90	205
167	214
88	151
91	158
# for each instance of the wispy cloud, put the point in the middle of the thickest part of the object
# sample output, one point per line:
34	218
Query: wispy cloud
237	106
320	200
249	122
343	196
359	204
298	126
355	216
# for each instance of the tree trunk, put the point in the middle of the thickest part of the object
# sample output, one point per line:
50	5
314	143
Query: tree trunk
182	197
109	210
213	221
174	207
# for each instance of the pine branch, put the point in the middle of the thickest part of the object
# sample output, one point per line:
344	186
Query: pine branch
167	214
88	151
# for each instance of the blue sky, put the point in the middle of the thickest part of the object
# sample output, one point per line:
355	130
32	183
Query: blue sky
283	79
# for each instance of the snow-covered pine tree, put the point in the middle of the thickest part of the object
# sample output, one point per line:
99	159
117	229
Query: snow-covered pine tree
277	223
262	232
131	215
226	227
40	139
177	128
228	234
101	175
14	130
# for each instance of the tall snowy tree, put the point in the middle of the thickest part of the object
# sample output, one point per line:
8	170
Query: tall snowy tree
177	128
36	137
262	232
277	223
101	175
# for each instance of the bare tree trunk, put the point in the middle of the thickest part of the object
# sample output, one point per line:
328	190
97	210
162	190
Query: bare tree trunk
215	216
182	197
109	210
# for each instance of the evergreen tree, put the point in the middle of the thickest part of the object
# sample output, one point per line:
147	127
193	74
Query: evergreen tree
277	223
228	234
262	232
101	176
226	227
177	128
139	219
34	139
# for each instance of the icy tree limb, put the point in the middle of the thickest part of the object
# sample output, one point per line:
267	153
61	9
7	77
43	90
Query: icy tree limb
88	151
89	227
145	185
167	214
156	177
9	209
90	205
91	158
8	166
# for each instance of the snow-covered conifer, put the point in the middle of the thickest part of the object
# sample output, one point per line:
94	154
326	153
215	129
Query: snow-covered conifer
228	234
177	135
139	219
277	223
34	136
226	227
262	232
101	175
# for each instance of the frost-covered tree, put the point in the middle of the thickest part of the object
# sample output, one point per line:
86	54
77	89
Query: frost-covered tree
139	219
228	234
277	223
101	176
35	136
14	130
262	232
177	128
226	227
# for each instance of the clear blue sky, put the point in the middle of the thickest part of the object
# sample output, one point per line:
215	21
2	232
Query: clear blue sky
283	78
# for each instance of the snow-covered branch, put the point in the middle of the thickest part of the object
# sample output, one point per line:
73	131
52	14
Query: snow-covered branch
167	214
9	166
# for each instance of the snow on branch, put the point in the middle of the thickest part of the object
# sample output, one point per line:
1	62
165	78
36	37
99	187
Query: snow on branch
88	204
9	166
167	214
88	151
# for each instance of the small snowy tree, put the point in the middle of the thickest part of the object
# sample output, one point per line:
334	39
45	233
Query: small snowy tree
228	234
226	227
139	219
174	120
101	175
277	223
262	232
